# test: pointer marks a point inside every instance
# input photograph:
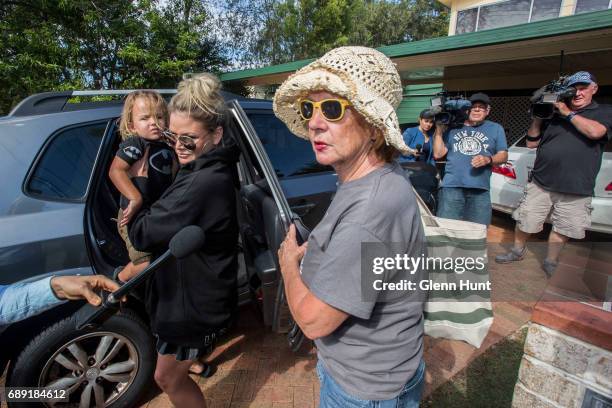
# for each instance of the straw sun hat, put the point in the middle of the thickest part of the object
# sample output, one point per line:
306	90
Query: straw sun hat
363	76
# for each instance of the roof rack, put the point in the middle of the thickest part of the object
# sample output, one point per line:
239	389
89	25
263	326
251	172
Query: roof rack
54	102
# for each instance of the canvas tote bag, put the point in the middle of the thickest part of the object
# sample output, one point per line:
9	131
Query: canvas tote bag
460	315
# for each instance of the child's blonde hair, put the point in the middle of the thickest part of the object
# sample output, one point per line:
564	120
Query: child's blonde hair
199	96
156	106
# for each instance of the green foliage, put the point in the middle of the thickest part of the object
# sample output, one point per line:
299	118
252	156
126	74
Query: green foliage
264	32
177	41
299	29
78	44
388	22
55	45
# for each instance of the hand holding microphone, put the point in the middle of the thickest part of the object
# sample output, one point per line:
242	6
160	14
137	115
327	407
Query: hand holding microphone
418	149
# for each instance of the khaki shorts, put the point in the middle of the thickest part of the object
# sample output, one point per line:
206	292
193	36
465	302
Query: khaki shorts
136	256
570	214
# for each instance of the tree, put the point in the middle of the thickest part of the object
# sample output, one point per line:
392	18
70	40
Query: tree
387	23
305	29
178	40
237	26
66	44
32	54
301	29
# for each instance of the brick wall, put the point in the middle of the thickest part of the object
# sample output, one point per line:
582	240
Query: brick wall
557	369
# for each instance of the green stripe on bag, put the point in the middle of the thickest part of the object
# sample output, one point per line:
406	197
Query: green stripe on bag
475	316
444	295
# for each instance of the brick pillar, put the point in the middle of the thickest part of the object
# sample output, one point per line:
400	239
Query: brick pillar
568	350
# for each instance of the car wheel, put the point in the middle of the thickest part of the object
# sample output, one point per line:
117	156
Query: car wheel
107	366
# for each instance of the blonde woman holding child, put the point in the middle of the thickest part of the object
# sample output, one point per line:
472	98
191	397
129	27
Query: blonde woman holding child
191	301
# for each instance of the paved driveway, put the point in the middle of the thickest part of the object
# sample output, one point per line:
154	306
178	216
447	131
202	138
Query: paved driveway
256	369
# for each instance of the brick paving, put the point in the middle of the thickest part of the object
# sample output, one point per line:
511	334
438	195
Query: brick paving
255	368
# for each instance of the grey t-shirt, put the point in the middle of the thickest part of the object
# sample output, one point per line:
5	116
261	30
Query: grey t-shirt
378	348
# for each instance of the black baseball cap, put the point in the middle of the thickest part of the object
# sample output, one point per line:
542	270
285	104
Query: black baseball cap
480	97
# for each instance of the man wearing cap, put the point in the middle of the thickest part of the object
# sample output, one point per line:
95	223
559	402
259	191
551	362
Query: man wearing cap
471	151
570	147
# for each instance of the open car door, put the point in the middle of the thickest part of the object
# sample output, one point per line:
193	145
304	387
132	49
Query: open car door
265	217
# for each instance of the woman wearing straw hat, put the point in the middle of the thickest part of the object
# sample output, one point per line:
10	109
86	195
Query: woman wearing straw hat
369	350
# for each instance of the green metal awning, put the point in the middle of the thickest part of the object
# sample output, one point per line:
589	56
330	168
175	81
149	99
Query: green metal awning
429	60
416	98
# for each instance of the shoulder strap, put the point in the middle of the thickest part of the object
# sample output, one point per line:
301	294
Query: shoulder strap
427	217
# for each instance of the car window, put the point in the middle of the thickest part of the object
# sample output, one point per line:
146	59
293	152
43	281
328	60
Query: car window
289	154
65	167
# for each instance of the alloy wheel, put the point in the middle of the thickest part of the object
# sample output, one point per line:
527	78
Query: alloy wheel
96	369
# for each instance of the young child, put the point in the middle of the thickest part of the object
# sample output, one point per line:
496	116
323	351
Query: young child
144	117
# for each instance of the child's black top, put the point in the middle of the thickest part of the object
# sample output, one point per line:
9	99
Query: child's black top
159	174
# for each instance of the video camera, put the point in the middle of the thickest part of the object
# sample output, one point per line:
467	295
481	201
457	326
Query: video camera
450	110
542	101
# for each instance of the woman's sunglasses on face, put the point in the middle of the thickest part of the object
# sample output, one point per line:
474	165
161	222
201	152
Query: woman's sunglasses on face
332	109
170	138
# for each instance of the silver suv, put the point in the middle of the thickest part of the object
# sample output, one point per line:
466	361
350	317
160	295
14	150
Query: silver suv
56	217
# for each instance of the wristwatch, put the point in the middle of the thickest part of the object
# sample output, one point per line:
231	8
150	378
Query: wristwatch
570	116
533	138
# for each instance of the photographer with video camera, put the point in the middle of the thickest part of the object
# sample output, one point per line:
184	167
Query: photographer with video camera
472	145
569	130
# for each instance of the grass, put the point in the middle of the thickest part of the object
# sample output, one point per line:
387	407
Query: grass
487	382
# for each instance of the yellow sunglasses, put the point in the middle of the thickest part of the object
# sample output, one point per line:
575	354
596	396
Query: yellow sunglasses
332	109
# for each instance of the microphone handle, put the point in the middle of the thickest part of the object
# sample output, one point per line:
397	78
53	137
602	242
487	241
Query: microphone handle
90	316
127	287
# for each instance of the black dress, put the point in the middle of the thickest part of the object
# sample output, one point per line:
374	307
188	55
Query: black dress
192	300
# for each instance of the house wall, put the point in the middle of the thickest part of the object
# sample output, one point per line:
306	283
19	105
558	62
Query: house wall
567	9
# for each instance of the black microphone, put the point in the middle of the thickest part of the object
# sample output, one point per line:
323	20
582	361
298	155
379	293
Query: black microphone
184	243
418	149
187	241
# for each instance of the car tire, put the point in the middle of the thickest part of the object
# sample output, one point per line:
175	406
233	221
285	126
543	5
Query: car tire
55	358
